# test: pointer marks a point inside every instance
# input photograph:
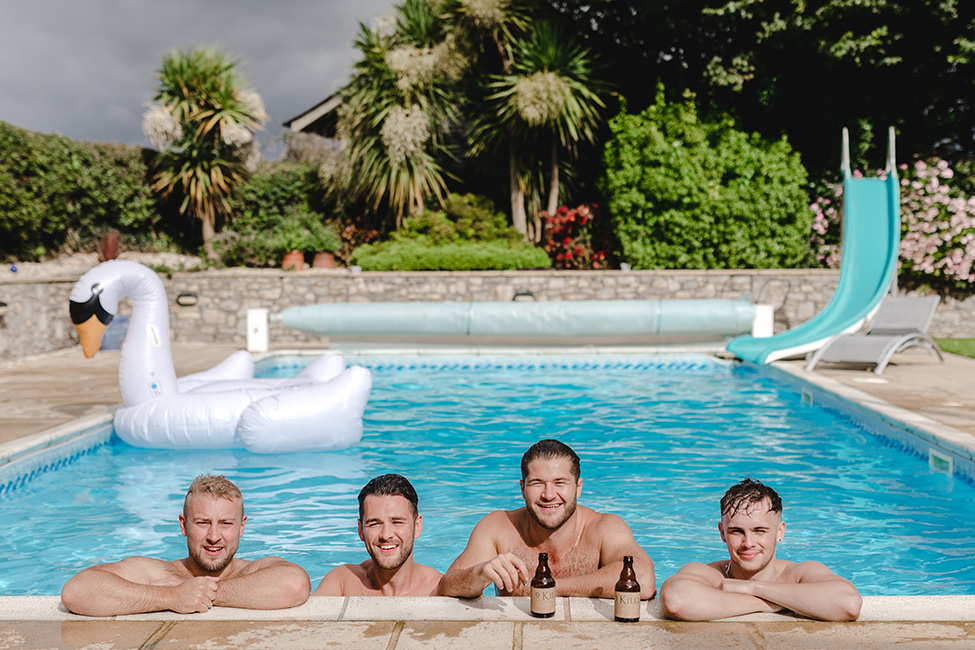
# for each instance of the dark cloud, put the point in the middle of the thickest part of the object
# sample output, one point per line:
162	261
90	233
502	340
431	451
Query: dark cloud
85	68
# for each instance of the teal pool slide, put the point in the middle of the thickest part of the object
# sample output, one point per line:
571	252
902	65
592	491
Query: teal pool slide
871	236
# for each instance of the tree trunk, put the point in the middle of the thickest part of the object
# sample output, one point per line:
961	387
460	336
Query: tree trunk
208	231
518	218
553	183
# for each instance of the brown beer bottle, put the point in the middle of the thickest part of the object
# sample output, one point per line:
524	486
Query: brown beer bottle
543	589
627	607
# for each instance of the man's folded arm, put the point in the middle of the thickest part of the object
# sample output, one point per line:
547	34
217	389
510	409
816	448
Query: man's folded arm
268	583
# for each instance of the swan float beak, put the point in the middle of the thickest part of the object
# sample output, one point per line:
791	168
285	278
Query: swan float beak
91	320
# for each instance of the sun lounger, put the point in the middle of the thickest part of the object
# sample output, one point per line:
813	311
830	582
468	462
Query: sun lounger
900	323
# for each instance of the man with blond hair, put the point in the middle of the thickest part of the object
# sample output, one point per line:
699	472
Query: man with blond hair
212	522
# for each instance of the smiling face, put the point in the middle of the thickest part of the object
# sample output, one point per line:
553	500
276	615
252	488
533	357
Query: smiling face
388	527
751	534
550	490
212	526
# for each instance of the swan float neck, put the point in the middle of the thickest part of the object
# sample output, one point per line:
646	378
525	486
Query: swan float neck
146	371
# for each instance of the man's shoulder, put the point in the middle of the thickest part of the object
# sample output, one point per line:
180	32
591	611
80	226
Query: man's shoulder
343	580
602	524
501	521
139	568
808	570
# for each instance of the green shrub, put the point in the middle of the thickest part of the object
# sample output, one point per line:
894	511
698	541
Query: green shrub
468	234
277	210
58	194
686	192
455	256
271	191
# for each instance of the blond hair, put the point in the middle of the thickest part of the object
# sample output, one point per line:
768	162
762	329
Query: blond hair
216	486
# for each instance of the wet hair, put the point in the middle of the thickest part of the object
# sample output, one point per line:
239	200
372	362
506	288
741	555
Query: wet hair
747	493
216	486
547	449
389	485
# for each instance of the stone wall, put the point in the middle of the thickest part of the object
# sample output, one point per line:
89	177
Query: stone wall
36	317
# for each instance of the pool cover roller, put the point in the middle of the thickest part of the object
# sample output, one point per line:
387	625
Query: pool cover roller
524	319
871	237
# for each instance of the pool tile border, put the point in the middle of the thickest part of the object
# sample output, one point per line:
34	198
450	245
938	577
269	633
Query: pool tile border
494	608
910	431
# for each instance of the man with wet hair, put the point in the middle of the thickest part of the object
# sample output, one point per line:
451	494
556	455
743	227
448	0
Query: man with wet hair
212	522
753	580
389	521
585	547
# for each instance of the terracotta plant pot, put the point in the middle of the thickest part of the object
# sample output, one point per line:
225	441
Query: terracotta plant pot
293	261
323	260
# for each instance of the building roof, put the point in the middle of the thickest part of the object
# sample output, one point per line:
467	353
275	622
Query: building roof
320	119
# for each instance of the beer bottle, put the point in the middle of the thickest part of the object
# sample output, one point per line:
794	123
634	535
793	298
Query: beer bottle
627	606
543	589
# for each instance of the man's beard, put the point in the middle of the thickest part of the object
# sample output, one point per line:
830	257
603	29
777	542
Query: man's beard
567	508
391	563
211	565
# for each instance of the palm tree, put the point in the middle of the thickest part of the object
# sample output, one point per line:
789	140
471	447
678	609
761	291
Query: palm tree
550	91
396	110
203	120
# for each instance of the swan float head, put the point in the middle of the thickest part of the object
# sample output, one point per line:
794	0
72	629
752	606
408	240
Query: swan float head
91	319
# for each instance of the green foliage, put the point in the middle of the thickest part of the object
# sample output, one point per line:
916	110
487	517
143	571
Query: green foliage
800	68
469	234
276	210
267	195
458	256
964	347
465	217
304	231
57	194
686	192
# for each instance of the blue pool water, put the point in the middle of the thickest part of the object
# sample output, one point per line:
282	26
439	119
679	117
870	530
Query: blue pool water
660	439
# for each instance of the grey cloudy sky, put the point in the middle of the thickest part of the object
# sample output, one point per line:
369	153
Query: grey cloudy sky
86	68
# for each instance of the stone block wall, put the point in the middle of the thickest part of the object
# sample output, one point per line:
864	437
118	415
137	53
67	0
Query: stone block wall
36	317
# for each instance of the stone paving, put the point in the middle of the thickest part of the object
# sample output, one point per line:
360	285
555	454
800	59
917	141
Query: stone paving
37	393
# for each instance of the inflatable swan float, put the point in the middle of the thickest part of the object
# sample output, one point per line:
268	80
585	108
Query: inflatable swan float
318	410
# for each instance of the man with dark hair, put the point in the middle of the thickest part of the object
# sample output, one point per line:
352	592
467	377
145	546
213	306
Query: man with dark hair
213	522
585	547
388	523
753	580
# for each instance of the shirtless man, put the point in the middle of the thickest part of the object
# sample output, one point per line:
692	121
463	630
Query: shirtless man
388	523
585	548
753	580
212	521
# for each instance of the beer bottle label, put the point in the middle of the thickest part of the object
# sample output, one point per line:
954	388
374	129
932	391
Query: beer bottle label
543	600
627	605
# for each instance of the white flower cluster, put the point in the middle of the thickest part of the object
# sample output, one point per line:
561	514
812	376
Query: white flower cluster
485	13
415	66
159	126
384	26
254	104
235	134
449	60
404	132
540	98
418	67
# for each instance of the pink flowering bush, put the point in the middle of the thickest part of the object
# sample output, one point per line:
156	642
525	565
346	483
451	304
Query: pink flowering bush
937	226
567	238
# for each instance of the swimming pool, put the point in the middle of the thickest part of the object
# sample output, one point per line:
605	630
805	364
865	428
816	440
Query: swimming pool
660	439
